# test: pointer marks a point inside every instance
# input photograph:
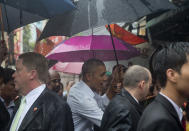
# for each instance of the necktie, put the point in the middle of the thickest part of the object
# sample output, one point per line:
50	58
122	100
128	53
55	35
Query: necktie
18	114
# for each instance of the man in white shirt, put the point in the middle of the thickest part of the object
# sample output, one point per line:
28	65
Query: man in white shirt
170	69
40	108
86	105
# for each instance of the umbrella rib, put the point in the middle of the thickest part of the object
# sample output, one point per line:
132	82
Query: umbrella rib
145	3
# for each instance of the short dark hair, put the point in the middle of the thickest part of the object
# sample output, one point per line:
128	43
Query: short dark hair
168	56
8	72
90	65
38	62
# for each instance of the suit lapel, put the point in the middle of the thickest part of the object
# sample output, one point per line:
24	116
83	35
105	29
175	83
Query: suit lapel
33	111
169	107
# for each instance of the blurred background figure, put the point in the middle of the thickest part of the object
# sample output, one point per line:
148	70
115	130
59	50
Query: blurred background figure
8	94
118	72
153	92
130	63
69	84
54	81
60	92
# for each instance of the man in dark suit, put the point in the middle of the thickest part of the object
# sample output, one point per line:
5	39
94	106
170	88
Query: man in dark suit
170	69
40	108
124	111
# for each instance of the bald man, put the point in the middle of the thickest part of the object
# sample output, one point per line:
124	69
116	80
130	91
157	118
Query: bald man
124	111
54	81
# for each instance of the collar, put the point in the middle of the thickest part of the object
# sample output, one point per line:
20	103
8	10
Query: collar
87	89
11	104
132	96
177	108
135	99
132	100
34	92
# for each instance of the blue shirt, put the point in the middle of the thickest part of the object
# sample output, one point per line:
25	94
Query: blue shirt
86	106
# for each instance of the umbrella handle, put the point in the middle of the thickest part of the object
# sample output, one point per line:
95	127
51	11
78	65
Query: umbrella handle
119	77
113	45
1	21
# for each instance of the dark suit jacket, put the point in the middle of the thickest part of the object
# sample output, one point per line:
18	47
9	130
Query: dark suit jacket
4	116
48	113
122	113
160	115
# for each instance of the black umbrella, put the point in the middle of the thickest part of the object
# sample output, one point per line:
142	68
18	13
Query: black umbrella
92	13
13	18
45	8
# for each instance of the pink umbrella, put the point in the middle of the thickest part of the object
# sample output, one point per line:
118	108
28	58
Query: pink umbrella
71	67
81	48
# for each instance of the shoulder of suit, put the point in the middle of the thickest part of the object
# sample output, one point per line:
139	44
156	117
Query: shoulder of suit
119	104
51	96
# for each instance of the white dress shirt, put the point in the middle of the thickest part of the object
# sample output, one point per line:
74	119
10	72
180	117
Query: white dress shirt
86	106
134	98
31	97
177	108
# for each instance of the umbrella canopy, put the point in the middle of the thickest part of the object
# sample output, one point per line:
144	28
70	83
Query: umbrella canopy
45	8
70	68
93	13
82	48
125	35
14	18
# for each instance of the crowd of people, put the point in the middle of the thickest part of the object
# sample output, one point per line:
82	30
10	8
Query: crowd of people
131	98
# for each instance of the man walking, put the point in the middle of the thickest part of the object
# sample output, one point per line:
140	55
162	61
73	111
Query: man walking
170	68
40	108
